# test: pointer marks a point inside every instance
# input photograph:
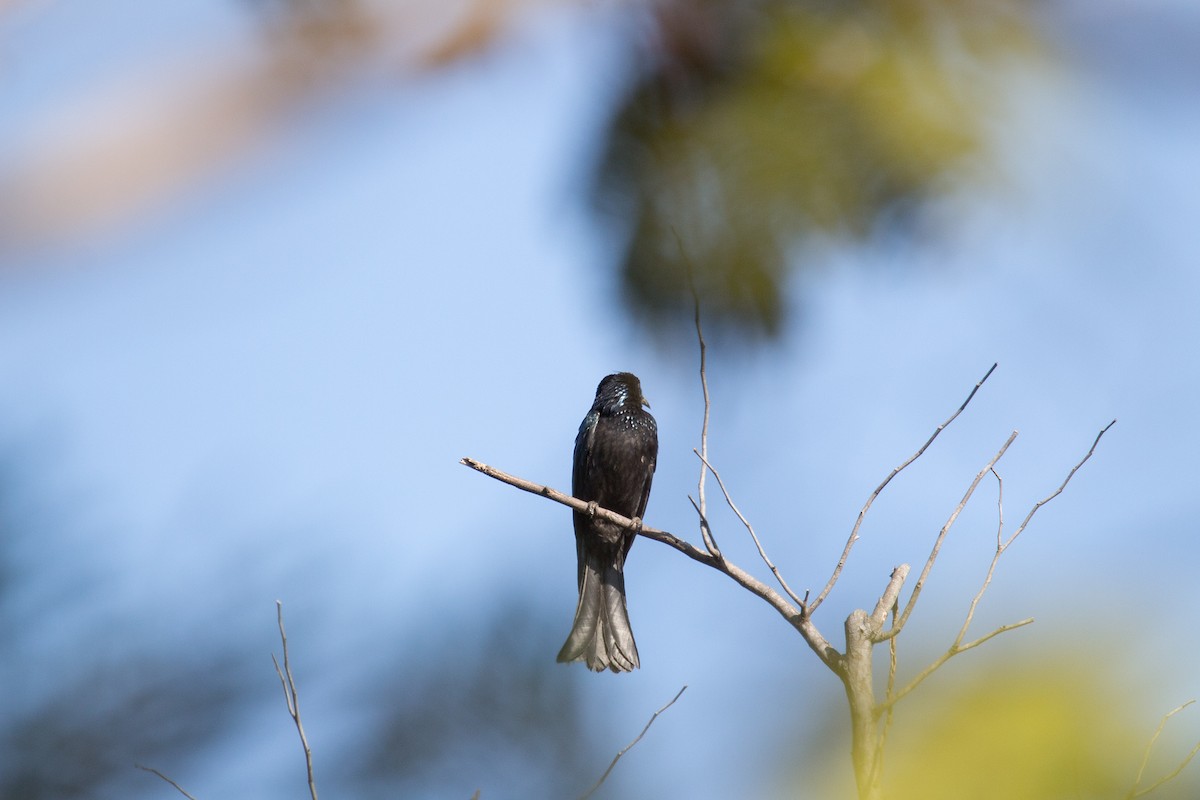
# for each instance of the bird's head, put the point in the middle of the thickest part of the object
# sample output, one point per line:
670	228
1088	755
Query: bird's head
620	391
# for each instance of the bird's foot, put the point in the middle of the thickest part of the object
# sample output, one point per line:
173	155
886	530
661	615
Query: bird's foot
592	506
637	524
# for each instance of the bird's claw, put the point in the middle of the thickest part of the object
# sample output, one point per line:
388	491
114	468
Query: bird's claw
591	510
637	524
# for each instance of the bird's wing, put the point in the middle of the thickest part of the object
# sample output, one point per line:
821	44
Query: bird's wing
583	451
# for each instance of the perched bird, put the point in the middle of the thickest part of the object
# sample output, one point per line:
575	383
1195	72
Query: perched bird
615	455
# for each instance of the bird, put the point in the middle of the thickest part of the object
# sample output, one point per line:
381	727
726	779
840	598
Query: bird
616	451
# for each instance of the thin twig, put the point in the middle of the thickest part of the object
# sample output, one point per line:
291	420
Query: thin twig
837	571
750	528
292	697
877	766
176	785
1134	791
706	530
1063	485
941	537
1002	544
954	650
702	507
629	746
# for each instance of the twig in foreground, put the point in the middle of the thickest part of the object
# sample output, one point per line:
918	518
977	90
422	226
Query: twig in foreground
292	697
629	746
1134	791
189	797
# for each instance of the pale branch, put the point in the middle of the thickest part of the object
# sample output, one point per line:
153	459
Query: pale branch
891	688
941	537
1001	546
888	601
706	533
165	778
890	596
702	507
798	620
1134	791
750	528
1063	485
292	697
950	653
582	506
630	746
841	564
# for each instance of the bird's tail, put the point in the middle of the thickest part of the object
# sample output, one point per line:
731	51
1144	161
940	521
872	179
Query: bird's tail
601	636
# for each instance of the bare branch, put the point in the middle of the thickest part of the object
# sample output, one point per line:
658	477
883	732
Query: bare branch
801	622
706	530
702	507
1001	545
837	571
891	690
761	552
629	746
292	697
1062	486
180	788
890	596
954	650
941	537
1134	791
669	539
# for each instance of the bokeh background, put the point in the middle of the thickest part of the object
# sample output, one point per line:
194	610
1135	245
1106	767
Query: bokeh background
269	269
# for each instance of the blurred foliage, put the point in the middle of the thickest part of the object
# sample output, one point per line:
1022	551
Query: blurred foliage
72	726
755	124
474	703
104	718
1044	729
497	716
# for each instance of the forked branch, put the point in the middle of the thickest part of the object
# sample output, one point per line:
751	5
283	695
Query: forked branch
750	529
841	564
1002	544
292	697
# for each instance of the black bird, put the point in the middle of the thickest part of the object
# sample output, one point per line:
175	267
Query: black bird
615	455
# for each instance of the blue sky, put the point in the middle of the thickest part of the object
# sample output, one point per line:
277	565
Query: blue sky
262	393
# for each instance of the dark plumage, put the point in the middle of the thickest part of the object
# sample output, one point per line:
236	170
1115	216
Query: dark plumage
615	454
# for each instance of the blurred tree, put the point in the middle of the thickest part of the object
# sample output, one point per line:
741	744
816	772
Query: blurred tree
1056	726
84	741
497	716
754	124
73	725
748	126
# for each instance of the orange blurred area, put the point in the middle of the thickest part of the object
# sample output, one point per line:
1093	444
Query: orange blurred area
125	144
